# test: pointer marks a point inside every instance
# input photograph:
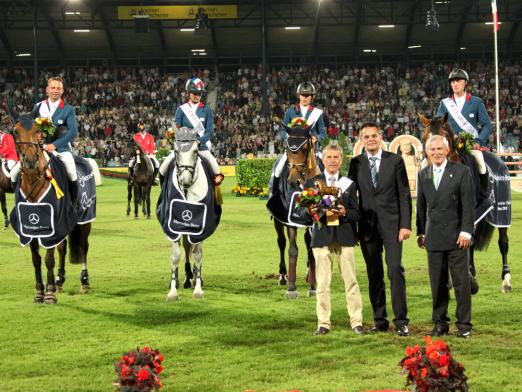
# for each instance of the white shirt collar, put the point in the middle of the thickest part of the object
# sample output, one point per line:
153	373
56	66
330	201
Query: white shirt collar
378	155
442	167
304	109
328	176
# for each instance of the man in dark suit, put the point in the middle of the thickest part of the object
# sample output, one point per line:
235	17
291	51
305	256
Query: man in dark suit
385	204
336	239
444	227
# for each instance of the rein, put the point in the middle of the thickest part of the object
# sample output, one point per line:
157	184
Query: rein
300	167
40	174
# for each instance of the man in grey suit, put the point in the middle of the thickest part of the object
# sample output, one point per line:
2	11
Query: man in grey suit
444	226
385	204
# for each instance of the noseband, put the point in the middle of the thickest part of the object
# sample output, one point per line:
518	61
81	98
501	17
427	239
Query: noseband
299	167
180	169
40	173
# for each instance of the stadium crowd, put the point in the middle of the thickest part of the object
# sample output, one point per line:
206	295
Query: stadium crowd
110	102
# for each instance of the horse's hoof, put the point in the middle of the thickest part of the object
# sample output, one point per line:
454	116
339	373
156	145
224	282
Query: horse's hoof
39	297
136	218
197	294
148	216
85	288
282	280
59	288
50	298
506	284
473	285
291	294
187	284
171	297
311	293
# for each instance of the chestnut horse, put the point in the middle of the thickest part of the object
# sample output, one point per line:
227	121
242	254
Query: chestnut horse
301	165
484	228
34	184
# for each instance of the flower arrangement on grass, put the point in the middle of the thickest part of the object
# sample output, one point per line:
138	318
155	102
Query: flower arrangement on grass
45	126
245	191
433	368
138	370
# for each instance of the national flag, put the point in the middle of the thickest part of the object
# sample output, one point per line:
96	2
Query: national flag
495	14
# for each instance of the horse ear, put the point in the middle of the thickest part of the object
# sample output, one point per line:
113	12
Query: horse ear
424	120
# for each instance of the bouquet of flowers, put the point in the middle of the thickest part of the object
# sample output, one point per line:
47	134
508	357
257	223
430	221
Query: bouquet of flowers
297	122
45	126
170	135
433	368
313	198
138	370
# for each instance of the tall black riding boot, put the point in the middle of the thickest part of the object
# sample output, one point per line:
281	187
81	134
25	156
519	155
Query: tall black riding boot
73	189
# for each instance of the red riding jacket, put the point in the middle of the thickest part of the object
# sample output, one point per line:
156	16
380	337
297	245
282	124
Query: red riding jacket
146	142
7	147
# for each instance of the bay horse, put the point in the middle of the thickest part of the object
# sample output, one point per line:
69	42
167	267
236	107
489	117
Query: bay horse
140	181
187	189
484	228
35	183
299	166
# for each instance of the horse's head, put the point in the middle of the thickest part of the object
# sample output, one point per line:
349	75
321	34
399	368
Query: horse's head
300	154
28	142
438	126
186	152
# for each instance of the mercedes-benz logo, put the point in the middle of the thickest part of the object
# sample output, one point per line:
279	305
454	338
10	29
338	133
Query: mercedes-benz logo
34	219
186	215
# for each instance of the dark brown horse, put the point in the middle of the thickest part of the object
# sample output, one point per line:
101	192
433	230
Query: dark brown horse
141	182
484	228
33	183
301	165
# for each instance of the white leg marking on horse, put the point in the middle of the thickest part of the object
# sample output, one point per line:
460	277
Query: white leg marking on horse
175	256
506	284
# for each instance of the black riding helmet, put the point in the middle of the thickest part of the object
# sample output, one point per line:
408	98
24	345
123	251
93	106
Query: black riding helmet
306	88
195	86
458	74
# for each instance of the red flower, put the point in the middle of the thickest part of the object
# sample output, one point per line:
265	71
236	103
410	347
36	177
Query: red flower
146	350
143	374
424	373
444	360
443	371
412	350
125	371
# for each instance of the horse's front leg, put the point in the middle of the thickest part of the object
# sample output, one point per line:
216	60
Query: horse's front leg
137	199
281	243
291	292
146	210
50	292
175	256
187	284
197	252
310	274
4	209
503	245
37	264
62	252
129	196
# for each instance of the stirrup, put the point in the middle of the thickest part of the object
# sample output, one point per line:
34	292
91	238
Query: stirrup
218	179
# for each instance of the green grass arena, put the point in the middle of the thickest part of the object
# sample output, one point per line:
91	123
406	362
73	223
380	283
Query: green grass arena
243	334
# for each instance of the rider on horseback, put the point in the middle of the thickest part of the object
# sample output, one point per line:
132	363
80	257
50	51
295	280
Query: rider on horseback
146	142
467	113
195	114
8	153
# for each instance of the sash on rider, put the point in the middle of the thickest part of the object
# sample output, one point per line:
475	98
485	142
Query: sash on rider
313	117
195	121
49	219
177	215
459	118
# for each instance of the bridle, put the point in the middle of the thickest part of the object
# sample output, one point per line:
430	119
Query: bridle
33	166
299	167
180	169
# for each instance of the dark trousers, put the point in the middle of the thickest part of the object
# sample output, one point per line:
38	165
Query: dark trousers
456	261
372	252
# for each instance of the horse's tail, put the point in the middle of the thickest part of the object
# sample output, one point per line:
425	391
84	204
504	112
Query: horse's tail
483	234
79	243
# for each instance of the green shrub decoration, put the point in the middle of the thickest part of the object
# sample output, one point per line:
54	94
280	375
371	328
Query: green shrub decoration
252	176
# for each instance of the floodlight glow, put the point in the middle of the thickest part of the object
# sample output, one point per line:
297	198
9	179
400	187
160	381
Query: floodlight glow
23	54
82	30
414	46
386	26
187	29
293	28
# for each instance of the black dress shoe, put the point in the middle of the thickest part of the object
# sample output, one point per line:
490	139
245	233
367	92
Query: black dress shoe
321	331
358	330
378	328
402	330
464	334
439	331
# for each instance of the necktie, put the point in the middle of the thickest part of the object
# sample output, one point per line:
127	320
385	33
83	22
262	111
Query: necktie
436	177
373	171
332	181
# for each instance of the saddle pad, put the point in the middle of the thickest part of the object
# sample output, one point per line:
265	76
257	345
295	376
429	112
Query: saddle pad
36	220
86	191
500	191
187	217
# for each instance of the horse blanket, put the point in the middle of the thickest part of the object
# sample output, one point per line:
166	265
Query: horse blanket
86	191
283	198
500	191
197	219
49	219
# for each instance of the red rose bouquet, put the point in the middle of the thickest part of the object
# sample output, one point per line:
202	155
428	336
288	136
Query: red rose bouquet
433	368
138	370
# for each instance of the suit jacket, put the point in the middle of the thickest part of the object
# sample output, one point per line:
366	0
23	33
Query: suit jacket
388	207
476	114
318	130
204	114
345	232
442	214
63	115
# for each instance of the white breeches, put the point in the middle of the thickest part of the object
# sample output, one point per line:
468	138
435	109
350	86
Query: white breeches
479	158
14	169
68	160
205	154
152	157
